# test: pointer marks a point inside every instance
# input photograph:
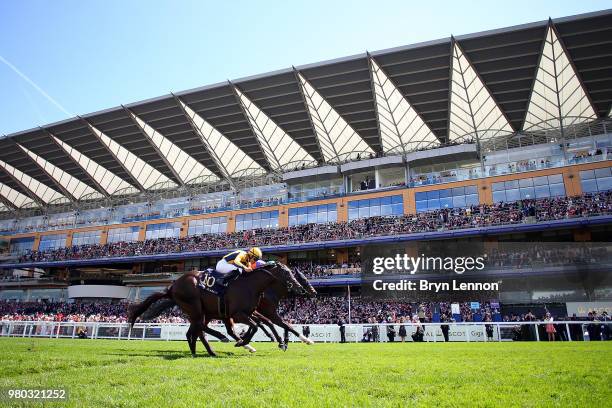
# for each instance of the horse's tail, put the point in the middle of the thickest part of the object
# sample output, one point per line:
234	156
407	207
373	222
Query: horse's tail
151	307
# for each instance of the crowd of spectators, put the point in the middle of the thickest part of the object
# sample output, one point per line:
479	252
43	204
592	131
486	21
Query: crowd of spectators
335	310
317	270
457	218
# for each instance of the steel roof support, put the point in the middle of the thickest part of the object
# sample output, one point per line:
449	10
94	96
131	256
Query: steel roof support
177	177
135	181
99	187
208	148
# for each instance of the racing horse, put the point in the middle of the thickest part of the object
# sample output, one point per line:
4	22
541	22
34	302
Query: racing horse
241	297
268	309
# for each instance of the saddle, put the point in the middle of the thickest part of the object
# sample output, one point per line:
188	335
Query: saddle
214	282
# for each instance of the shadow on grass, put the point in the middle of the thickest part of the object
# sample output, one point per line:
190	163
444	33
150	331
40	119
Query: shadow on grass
175	355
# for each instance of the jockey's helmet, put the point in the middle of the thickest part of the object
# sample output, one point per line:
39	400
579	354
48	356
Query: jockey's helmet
255	253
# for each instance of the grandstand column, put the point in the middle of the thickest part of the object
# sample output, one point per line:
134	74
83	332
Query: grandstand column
69	239
36	242
409	202
184	228
342	210
571	181
104	236
231	222
142	232
283	217
485	193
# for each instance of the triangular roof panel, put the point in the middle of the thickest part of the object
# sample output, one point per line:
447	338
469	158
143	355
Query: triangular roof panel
473	112
557	98
109	181
45	193
337	139
226	154
401	128
186	167
144	173
282	152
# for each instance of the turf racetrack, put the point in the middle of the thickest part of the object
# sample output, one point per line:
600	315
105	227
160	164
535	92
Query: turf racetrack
155	373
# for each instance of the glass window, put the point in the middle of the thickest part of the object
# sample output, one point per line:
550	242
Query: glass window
383	206
125	234
593	181
499	196
262	219
527	193
471	190
600	173
48	242
498	186
20	246
529	188
213	225
86	238
513	195
163	230
542	191
457	197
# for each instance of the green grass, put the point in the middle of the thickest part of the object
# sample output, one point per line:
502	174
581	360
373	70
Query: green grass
133	374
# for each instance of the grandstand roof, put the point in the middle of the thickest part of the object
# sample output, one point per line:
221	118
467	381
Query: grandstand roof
540	75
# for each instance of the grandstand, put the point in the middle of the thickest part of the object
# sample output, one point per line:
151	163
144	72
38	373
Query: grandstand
498	136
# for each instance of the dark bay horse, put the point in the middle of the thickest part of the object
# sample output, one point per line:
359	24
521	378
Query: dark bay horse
268	308
241	297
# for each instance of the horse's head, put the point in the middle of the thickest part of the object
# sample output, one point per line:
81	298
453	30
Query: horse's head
287	277
304	283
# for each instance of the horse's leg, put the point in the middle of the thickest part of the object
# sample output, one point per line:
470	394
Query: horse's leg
262	320
215	333
229	326
242	317
277	320
205	343
191	341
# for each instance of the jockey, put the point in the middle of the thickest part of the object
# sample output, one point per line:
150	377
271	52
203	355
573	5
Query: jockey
232	265
239	261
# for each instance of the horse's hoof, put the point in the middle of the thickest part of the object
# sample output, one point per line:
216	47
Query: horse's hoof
193	356
225	340
250	348
282	346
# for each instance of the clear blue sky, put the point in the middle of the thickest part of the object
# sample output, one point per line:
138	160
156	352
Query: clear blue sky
93	55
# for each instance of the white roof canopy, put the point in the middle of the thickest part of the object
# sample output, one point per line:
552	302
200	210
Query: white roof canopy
473	112
557	98
337	139
281	150
401	128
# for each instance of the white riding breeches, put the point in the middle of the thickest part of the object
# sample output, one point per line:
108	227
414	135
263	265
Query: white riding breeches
225	267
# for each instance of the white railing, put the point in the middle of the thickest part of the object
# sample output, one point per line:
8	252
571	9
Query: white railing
326	333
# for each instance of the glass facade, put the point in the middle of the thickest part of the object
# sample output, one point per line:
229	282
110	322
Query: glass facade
86	238
263	219
528	188
163	230
458	197
21	245
52	242
596	180
214	225
315	214
382	206
126	234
